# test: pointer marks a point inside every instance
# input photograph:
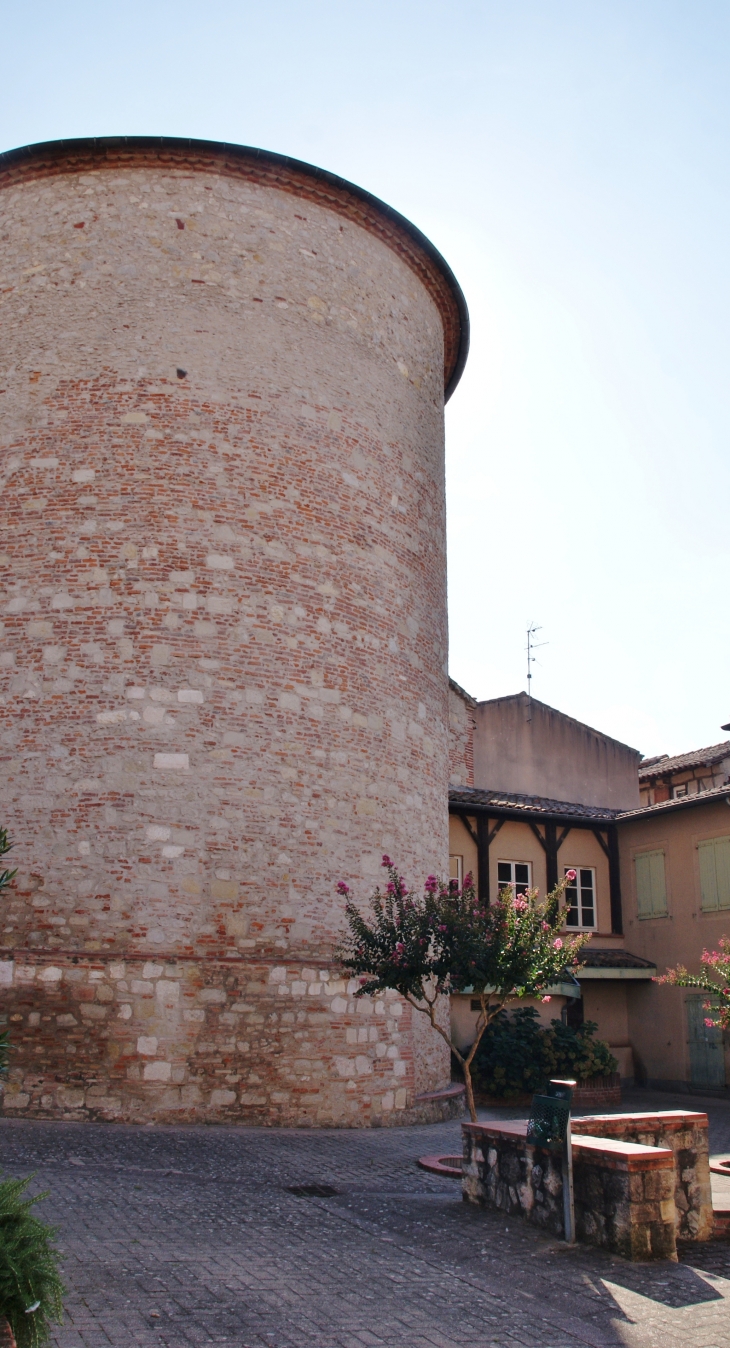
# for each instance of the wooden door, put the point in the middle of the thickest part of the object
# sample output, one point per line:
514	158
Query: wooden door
706	1053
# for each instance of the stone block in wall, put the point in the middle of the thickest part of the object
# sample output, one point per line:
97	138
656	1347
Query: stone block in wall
685	1132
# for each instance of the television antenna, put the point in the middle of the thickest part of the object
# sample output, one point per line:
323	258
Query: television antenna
531	647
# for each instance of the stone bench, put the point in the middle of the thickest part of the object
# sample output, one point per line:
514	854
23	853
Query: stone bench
685	1133
624	1191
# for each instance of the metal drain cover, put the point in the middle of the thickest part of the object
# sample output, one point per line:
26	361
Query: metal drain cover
312	1190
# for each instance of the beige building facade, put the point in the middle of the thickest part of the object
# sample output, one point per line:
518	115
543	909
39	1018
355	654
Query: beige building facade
544	797
657	876
675	876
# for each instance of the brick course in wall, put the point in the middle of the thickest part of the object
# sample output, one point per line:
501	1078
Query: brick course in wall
223	636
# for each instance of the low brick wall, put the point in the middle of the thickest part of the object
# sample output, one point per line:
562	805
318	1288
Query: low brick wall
685	1134
624	1192
597	1091
500	1170
624	1197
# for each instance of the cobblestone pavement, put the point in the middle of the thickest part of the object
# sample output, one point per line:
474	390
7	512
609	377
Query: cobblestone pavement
189	1236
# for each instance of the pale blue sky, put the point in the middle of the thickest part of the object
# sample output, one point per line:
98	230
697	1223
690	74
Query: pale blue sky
570	159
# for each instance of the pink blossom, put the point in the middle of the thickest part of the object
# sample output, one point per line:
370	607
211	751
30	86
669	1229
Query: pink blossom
709	1023
399	947
391	887
546	926
386	860
546	999
557	943
443	928
521	904
342	888
571	876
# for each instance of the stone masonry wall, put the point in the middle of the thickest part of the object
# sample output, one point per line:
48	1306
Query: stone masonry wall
501	1170
686	1134
224	641
623	1191
112	1039
624	1197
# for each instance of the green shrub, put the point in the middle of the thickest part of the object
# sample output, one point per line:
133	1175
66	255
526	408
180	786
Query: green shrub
31	1290
576	1053
518	1057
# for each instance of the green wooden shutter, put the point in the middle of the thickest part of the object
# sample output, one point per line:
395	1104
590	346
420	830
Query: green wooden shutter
651	890
722	866
715	874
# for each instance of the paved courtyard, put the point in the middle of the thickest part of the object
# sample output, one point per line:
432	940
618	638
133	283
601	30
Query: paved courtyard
178	1236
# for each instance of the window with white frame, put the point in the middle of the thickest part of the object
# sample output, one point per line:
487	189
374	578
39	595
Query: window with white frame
580	898
456	869
514	873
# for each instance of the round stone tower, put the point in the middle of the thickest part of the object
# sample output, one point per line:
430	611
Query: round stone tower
224	639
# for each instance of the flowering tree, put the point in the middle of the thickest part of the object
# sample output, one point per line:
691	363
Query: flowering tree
714	979
448	940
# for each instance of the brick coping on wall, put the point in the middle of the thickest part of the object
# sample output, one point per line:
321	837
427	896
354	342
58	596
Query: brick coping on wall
634	1155
267	169
669	1120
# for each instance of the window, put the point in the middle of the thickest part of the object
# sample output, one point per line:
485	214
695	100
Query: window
580	898
651	889
715	874
514	873
456	869
680	790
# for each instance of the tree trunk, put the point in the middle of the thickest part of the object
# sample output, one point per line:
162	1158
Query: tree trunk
7	1338
470	1092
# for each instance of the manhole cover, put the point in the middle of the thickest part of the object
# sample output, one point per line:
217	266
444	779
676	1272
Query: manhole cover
312	1190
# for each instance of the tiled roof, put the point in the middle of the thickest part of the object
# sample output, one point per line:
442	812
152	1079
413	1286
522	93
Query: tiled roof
533	805
682	803
541	806
659	767
597	958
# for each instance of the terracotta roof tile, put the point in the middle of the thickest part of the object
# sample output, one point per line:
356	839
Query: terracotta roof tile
660	766
541	805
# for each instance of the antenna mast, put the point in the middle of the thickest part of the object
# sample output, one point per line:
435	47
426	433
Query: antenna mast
531	647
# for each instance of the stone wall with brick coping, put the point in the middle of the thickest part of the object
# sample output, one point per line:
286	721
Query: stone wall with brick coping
224	640
685	1133
624	1197
624	1192
501	1171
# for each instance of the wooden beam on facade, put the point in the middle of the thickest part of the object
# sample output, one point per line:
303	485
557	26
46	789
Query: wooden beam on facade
494	831
614	880
537	834
468	826
598	833
551	855
483	841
